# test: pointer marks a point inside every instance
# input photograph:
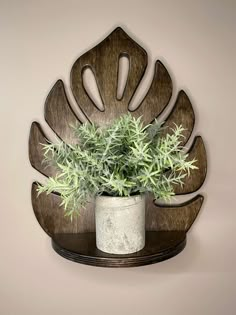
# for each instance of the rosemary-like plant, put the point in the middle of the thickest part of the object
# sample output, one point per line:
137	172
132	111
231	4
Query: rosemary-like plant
122	159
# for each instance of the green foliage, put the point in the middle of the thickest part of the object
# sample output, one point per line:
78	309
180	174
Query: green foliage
120	160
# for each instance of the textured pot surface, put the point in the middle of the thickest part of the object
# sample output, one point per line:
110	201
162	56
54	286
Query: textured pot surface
120	224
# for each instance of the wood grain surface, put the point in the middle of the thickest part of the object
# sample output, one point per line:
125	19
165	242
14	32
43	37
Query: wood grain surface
158	217
181	114
51	216
103	60
172	217
36	139
82	248
197	177
59	114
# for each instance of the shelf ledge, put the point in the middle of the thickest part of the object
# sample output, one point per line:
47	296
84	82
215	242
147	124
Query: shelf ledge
81	248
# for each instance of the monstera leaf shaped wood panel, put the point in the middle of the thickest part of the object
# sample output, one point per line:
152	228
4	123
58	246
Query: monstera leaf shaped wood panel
103	61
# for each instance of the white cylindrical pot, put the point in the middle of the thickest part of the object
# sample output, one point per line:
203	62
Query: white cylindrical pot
120	224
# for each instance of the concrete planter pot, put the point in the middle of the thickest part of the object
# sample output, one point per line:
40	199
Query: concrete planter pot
120	224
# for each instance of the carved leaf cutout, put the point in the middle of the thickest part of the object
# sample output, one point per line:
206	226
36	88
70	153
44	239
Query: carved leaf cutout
103	60
193	182
172	218
38	137
123	73
182	113
59	114
158	95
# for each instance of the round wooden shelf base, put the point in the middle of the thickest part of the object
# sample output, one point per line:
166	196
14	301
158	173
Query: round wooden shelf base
81	248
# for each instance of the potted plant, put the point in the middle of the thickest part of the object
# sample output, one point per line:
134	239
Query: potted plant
117	165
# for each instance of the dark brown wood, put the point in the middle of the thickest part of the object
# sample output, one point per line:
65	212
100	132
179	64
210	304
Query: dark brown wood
158	217
197	177
51	216
81	248
178	217
59	114
36	139
181	114
157	97
103	60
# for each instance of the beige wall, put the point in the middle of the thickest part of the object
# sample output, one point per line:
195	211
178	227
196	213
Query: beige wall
40	40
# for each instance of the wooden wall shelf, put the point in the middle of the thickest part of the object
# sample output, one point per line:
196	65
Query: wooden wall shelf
81	248
166	225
